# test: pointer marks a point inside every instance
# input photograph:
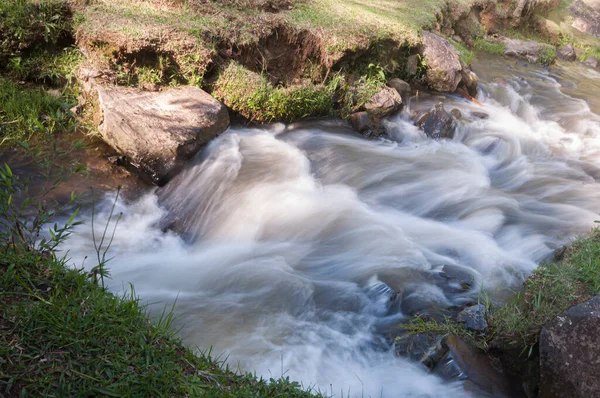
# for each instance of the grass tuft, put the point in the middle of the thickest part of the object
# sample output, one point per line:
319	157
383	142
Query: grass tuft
489	47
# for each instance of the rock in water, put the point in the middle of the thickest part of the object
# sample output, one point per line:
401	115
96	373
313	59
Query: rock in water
444	71
592	62
159	131
474	318
566	53
570	353
385	103
402	87
437	123
360	121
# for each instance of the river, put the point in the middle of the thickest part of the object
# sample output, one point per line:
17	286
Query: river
276	242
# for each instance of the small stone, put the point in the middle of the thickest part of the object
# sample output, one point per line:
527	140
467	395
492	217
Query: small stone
470	81
385	103
152	87
458	277
456	113
480	115
592	62
422	347
474	318
566	53
360	121
412	65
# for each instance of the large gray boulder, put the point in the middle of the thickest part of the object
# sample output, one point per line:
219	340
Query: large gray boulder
159	131
444	71
530	51
570	353
586	16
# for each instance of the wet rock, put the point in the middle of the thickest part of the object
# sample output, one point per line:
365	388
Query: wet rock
480	115
402	87
444	71
447	368
159	131
422	347
480	369
456	113
412	65
437	123
570	353
592	62
531	51
566	53
385	103
457	277
474	318
360	121
470	82
423	298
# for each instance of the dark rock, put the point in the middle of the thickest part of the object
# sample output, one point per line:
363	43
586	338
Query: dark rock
423	298
402	87
480	115
480	370
447	368
159	131
422	347
474	318
444	71
457	277
360	121
437	123
592	62
385	103
570	353
456	113
566	53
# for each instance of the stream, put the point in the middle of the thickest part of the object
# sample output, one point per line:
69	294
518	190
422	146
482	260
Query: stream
281	246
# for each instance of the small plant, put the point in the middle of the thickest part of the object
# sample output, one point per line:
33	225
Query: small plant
548	56
489	47
466	55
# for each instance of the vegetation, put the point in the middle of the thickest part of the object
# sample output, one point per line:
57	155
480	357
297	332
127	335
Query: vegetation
489	47
553	288
548	56
27	113
63	334
466	55
25	23
550	290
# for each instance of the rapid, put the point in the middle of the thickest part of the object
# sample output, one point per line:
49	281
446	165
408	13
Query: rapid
281	246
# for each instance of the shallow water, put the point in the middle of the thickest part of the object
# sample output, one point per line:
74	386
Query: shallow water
276	242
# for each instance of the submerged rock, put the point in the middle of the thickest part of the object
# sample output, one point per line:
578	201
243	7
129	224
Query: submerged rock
360	121
566	53
570	353
437	123
474	318
459	278
592	62
444	71
480	370
421	347
159	131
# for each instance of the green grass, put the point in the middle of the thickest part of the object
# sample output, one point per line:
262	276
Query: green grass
255	98
27	113
466	55
51	67
548	56
62	334
25	23
489	47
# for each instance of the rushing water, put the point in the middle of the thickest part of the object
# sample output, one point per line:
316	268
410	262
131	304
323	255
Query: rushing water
274	243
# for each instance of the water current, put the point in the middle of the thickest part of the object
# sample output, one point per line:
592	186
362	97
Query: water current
282	245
